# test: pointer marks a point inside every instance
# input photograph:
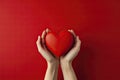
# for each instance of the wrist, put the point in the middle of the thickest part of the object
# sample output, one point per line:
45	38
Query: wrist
66	64
53	63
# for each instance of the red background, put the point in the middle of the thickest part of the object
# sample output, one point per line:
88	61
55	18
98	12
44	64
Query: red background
96	22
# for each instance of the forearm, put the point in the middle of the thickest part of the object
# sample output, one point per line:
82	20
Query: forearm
52	71
68	71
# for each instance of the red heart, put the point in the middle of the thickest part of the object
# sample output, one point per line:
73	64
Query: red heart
59	44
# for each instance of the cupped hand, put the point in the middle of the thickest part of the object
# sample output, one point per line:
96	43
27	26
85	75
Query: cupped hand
47	55
73	52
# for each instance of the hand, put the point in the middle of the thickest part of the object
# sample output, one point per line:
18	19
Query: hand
53	62
66	61
47	55
73	52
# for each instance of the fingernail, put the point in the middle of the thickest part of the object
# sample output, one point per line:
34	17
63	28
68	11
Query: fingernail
47	30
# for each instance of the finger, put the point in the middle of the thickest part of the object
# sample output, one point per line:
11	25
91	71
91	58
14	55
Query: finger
69	30
73	33
76	48
43	38
47	30
38	42
43	34
78	42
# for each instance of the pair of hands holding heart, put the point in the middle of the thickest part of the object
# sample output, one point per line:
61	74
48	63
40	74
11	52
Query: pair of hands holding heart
58	48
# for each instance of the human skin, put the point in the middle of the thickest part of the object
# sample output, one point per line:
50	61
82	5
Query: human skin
53	62
66	61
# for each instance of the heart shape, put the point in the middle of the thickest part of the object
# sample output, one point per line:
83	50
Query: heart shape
59	44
